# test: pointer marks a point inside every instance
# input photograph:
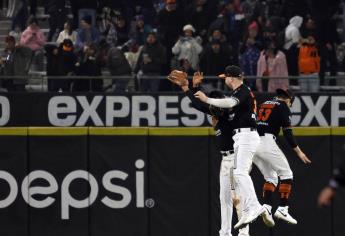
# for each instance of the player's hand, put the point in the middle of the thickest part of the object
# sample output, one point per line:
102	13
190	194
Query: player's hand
326	196
197	78
201	96
303	158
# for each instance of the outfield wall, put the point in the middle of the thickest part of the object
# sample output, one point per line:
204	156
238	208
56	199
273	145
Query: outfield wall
144	182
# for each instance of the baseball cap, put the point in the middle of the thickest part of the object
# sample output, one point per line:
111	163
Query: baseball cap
232	71
286	93
170	1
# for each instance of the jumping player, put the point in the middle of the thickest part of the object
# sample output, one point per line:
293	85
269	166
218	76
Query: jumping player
271	161
223	132
242	104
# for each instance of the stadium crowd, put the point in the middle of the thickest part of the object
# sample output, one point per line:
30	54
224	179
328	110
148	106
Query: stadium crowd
132	38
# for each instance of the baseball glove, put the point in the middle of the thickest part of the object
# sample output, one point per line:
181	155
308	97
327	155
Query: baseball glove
197	78
178	77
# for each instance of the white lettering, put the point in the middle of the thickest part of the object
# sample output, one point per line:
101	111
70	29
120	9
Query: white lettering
147	114
89	111
111	113
336	113
62	105
314	111
13	189
186	108
164	111
5	110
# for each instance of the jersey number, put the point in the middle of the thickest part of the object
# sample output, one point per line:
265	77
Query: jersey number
264	114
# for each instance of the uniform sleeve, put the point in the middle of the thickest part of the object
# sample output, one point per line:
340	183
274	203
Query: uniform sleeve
285	116
197	104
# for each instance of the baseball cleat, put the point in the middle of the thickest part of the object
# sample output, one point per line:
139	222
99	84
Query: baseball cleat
267	216
282	213
254	214
241	223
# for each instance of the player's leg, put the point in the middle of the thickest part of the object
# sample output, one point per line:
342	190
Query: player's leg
280	164
271	181
226	205
245	147
236	199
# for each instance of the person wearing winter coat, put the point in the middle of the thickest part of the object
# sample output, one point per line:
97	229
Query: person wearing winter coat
151	60
187	47
272	63
118	66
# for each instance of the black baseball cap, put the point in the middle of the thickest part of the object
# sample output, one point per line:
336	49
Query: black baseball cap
232	71
286	93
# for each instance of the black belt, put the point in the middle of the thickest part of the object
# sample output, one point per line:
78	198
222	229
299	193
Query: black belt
240	130
268	135
227	153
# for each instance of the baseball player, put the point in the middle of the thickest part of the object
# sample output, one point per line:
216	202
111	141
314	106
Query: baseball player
242	104
223	132
272	116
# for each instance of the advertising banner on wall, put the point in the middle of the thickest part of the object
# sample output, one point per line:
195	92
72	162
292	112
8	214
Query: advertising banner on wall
163	110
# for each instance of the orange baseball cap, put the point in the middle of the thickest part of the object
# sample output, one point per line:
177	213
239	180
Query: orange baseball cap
170	1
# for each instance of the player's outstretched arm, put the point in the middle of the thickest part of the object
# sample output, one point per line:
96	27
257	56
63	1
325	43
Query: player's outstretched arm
301	155
217	102
290	138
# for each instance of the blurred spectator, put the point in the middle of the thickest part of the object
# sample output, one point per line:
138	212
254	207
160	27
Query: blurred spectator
63	64
214	59
170	22
16	33
272	63
132	55
200	14
57	13
187	47
119	66
217	34
18	11
122	30
86	34
250	54
273	32
109	31
139	30
292	39
150	63
67	33
17	63
88	66
34	39
309	65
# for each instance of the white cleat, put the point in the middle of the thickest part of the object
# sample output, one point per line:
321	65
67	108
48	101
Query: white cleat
254	214
267	216
241	223
282	213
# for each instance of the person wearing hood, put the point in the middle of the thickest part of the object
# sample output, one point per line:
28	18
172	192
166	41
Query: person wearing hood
187	47
292	39
150	63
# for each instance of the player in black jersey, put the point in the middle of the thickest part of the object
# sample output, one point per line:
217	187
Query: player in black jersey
272	116
242	104
223	132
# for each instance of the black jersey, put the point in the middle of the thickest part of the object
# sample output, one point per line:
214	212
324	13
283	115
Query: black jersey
243	115
272	116
223	128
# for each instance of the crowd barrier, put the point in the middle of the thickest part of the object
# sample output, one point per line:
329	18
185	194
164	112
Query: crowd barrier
93	181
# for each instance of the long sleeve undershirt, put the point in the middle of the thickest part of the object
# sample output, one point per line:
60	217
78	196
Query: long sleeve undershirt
223	102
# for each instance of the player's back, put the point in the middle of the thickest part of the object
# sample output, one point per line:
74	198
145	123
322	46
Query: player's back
272	115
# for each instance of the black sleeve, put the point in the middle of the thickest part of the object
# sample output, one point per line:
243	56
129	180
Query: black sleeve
338	177
197	104
241	95
290	138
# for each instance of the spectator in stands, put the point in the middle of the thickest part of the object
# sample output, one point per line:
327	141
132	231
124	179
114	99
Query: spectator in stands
214	59
18	11
65	61
17	63
170	22
292	39
57	15
139	30
250	54
150	63
217	34
122	30
86	34
200	14
88	66
309	65
119	66
188	47
34	39
272	63
67	33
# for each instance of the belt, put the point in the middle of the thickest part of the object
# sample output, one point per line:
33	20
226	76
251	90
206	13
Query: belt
268	135
240	130
227	153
